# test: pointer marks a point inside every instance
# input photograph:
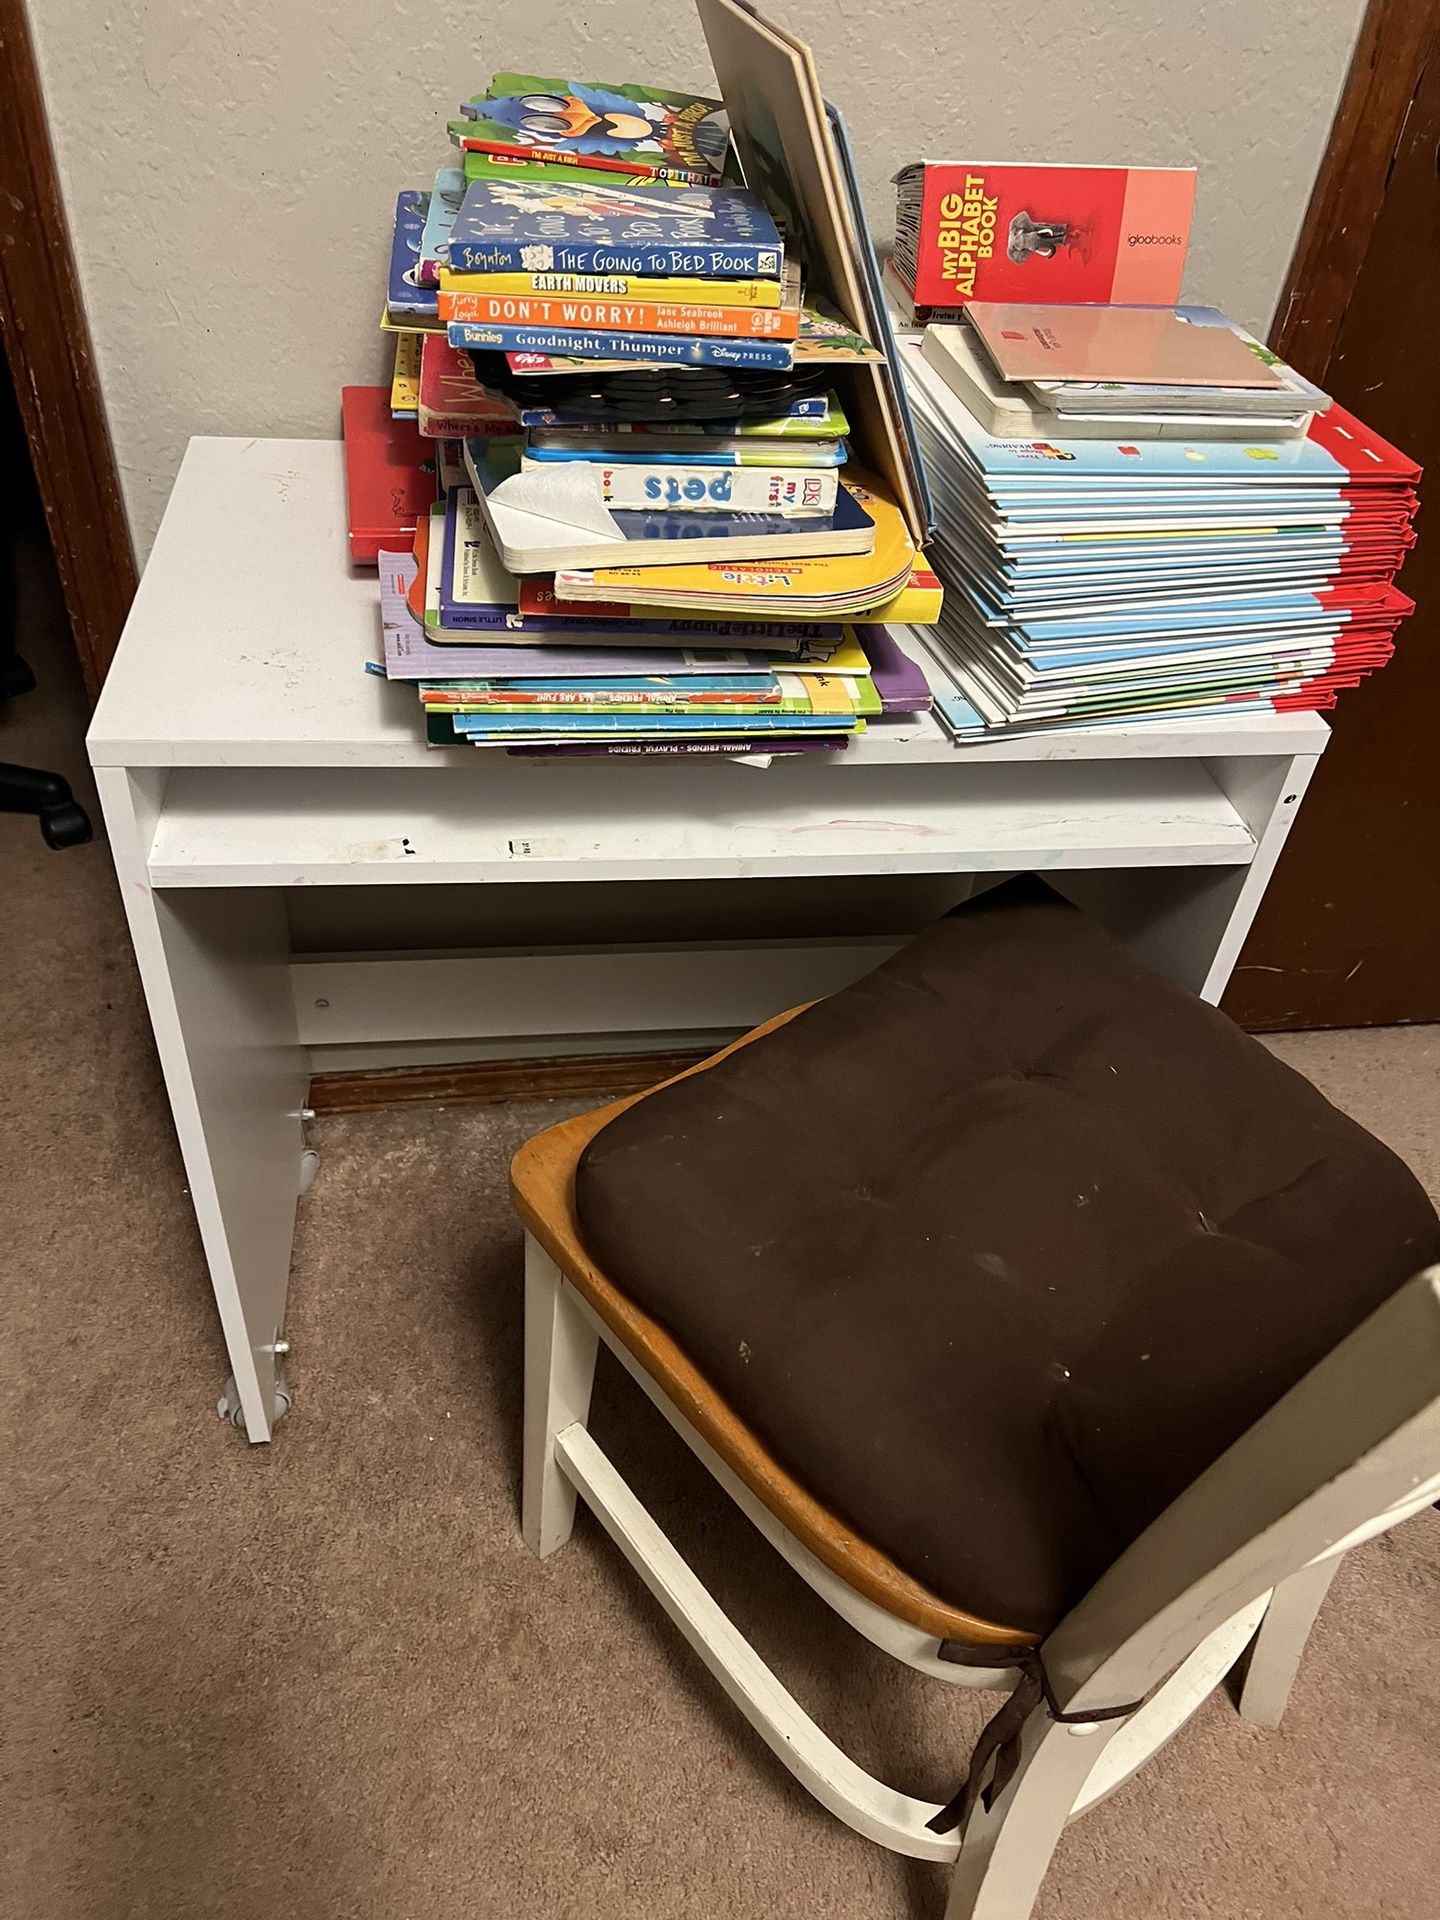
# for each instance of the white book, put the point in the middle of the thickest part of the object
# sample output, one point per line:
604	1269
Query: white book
668	486
553	522
1008	410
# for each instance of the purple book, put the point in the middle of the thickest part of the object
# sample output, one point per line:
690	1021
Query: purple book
899	681
410	656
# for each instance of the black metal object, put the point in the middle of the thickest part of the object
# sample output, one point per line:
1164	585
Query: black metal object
63	821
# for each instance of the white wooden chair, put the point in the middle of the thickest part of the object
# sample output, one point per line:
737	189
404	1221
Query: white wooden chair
1241	1560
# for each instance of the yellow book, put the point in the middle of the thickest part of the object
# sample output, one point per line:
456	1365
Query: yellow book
917	604
405	381
618	286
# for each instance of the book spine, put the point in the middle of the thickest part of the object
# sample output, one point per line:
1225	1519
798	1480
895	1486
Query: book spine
799	417
720	259
558	342
618	286
501	700
593	723
436	424
619	316
457	617
671	487
619	749
585	162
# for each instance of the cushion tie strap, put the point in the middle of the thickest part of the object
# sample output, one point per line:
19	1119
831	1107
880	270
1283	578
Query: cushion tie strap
999	1739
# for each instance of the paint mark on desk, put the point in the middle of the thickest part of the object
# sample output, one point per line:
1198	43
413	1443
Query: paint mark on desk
870	826
362	853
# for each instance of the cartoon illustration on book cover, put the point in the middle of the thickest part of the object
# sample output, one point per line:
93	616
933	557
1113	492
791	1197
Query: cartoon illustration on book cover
594	203
605	122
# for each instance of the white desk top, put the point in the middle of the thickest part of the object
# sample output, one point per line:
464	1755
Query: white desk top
247	641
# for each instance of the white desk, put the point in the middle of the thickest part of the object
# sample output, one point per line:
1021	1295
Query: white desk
241	751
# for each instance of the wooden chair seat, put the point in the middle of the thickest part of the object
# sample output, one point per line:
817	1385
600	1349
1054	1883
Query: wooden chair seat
542	1184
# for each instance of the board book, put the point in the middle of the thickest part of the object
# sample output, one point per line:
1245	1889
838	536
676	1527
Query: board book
610	313
624	129
544	521
507	226
567	349
683	488
389	473
405	296
671	290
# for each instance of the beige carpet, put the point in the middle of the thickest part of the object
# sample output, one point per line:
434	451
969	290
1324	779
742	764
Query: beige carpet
325	1681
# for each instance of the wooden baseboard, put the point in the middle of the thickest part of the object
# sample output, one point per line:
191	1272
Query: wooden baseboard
484	1083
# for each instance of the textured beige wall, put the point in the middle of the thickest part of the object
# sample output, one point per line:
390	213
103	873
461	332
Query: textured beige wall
229	171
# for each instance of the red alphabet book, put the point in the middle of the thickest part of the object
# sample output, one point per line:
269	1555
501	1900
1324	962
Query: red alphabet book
1058	235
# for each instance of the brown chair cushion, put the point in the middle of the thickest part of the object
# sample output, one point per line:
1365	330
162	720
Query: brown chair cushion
997	1249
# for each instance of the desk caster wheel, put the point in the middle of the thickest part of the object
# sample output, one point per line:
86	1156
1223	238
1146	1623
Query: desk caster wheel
67	826
309	1167
229	1409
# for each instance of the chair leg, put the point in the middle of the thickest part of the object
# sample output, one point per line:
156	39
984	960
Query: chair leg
559	1368
1275	1653
1005	1852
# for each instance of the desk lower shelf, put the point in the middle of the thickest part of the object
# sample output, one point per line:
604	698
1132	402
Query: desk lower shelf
516	820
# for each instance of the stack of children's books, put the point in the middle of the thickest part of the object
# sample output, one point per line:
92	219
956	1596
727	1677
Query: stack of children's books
1046	373
1121	580
626	382
1146	515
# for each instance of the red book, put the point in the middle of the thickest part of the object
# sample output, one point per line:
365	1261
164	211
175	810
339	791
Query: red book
1061	235
453	404
389	473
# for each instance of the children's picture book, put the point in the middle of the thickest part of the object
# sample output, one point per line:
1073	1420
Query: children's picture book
1141	346
390	479
811	416
1012	411
404	294
824	335
541	521
978	230
579	350
405	379
672	291
443	205
606	693
627	129
533	226
610	313
682	488
450	401
492	166
816	639
813	586
693	450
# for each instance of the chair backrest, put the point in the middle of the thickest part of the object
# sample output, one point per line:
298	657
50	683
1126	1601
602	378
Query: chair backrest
1352	1448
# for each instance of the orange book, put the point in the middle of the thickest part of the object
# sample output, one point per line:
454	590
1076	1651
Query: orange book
611	315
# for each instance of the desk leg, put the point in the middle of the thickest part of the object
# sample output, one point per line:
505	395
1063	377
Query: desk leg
214	965
1191	922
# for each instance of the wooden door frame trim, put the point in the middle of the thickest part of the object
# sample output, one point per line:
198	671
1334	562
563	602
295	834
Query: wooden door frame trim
1397	39
47	343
